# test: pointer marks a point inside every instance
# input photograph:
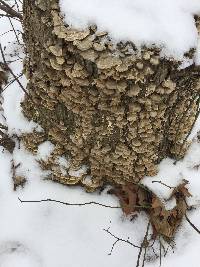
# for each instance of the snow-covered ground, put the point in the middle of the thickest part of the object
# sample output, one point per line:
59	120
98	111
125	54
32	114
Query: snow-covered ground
53	235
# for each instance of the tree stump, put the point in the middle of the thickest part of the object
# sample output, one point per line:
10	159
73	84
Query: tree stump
115	109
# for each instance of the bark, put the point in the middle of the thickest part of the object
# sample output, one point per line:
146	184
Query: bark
117	110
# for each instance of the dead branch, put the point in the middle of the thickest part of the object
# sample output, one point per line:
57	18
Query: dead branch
9	10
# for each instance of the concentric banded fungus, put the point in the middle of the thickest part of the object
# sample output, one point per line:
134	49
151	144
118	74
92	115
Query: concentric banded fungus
110	107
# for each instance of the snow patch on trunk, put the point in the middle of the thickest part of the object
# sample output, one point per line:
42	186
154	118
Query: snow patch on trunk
168	24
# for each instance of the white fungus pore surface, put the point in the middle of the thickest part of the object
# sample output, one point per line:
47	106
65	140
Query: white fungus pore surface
168	24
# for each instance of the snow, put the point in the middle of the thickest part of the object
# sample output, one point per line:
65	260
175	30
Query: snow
167	23
197	56
13	96
50	234
171	174
45	150
63	162
82	170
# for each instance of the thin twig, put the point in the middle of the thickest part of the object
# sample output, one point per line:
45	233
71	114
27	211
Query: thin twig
14	30
113	246
118	239
160	182
193	226
165	254
170	245
143	245
160	255
11	82
69	204
139	255
144	257
154	252
17	6
9	31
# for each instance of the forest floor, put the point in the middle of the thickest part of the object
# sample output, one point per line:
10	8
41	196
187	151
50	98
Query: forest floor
49	234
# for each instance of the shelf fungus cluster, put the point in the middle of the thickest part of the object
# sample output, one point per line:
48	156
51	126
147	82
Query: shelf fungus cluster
114	108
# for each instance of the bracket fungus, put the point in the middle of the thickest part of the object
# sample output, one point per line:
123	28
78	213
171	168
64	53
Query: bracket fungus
110	107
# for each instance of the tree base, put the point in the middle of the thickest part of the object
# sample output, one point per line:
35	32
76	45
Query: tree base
115	109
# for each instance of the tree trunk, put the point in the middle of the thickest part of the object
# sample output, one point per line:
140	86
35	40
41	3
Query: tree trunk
112	108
